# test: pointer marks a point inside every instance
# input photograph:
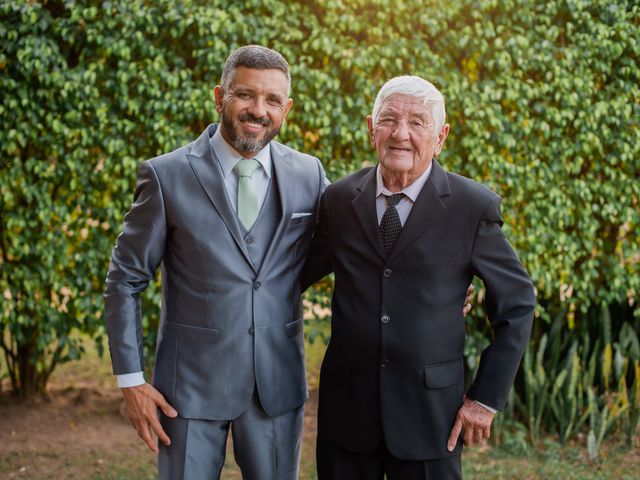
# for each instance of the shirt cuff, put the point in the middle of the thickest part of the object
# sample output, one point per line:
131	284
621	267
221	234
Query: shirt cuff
491	409
130	379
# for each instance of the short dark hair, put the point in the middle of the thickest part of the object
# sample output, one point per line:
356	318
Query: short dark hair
253	56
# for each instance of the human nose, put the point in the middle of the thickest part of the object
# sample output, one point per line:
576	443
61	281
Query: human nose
400	131
258	107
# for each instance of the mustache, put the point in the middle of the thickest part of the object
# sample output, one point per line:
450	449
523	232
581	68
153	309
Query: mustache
247	117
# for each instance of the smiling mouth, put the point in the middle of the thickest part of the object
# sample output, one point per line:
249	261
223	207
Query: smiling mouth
254	125
400	149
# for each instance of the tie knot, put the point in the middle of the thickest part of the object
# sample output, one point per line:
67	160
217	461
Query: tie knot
246	167
393	200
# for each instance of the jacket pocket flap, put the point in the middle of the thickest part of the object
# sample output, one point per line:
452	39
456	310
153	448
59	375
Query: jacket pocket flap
189	332
443	374
293	328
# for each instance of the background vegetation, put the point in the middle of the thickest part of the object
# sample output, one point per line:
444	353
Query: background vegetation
544	103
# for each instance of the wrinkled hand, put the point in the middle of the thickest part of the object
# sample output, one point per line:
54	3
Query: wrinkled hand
141	405
474	421
468	301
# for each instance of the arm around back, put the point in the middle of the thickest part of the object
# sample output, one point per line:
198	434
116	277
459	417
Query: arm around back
318	263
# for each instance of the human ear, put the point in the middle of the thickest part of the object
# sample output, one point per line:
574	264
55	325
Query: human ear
218	93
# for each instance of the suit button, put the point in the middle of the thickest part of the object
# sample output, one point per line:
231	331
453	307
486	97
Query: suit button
387	272
385	318
251	330
257	285
250	240
384	362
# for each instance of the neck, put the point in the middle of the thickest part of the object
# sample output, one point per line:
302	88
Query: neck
397	181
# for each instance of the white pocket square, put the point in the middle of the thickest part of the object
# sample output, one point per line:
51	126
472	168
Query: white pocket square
301	214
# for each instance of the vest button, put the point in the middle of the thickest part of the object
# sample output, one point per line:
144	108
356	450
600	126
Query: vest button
384	362
251	330
387	272
257	285
385	318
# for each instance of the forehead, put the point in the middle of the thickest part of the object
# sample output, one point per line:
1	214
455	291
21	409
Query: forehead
404	105
268	80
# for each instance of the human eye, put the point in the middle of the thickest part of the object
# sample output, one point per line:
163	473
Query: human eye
386	121
275	101
242	94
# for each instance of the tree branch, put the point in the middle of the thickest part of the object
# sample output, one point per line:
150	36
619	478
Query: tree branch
10	357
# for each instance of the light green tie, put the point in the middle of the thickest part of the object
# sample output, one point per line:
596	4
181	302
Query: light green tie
247	198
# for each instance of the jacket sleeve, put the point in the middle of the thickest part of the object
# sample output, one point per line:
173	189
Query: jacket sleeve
318	263
510	304
135	258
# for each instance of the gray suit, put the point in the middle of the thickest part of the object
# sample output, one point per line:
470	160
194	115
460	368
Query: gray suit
231	319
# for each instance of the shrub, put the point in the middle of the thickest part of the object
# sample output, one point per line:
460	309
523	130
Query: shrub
542	98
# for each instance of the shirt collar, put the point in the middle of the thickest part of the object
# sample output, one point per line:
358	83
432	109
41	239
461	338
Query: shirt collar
411	191
228	156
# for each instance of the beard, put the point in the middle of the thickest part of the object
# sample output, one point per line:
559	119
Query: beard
248	143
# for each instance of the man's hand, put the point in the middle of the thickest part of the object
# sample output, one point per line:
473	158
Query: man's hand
141	404
474	421
468	301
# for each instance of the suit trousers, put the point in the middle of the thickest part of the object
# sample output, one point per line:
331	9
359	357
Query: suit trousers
264	448
336	463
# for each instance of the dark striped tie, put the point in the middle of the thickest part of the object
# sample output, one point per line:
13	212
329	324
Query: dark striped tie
390	225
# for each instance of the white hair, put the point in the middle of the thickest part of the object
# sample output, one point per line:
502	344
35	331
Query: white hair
416	87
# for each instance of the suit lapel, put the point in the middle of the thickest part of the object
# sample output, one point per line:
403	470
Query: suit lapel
207	170
364	205
285	175
426	210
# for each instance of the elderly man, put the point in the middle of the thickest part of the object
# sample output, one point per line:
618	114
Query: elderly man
230	219
404	239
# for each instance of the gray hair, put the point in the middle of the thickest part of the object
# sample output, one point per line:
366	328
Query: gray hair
253	56
415	87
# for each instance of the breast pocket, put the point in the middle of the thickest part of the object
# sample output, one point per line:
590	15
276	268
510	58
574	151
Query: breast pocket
301	220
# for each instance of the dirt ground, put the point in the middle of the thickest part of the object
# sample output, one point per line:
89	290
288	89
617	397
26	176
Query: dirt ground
82	433
78	431
57	436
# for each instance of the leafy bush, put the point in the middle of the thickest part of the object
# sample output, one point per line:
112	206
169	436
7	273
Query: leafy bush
542	98
578	378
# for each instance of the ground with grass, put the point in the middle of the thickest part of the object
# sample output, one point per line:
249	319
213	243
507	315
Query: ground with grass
78	431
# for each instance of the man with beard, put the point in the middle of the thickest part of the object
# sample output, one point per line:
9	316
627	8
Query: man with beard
229	218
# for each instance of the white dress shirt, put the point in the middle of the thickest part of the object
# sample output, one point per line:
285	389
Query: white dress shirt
227	157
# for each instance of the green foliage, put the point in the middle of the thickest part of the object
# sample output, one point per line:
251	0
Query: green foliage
631	397
542	98
87	92
601	421
317	305
567	384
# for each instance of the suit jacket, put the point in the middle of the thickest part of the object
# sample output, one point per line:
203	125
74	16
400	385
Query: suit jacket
394	366
226	326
